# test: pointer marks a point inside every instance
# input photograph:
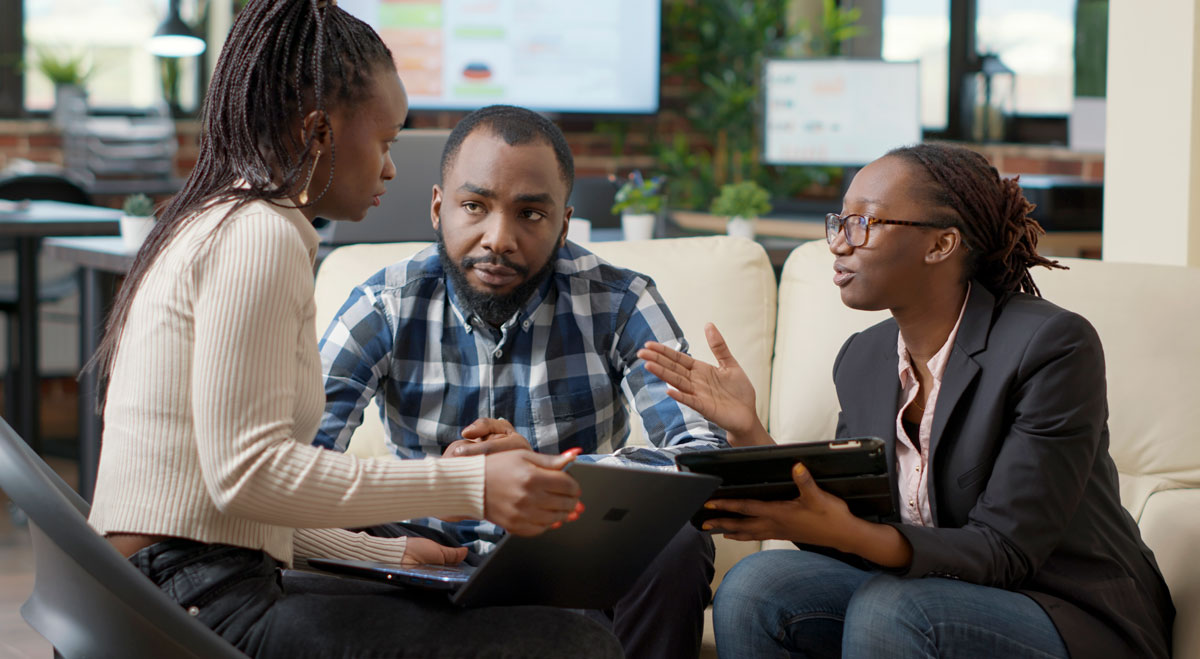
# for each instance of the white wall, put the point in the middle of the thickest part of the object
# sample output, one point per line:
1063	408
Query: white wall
1152	153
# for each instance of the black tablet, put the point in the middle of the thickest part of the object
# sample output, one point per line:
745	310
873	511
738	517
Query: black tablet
854	469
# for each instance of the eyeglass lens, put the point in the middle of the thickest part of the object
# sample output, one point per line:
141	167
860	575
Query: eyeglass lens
855	225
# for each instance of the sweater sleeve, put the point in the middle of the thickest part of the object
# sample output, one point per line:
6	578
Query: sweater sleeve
253	283
340	543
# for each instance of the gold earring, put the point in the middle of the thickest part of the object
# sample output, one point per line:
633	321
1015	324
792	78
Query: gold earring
303	198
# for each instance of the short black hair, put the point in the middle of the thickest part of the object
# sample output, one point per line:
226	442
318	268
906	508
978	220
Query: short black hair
516	126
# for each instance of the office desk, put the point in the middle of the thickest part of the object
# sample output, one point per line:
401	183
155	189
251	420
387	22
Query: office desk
28	222
102	261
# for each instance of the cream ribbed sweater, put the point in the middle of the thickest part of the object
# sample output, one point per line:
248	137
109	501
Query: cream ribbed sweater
216	394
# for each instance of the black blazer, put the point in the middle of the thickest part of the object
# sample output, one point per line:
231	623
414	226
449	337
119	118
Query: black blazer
1022	486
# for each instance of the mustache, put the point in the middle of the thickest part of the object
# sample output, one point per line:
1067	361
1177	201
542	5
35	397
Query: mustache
469	262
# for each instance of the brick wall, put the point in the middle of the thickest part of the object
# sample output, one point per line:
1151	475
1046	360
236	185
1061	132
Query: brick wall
592	142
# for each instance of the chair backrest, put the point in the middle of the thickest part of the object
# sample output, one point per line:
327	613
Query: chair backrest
592	198
42	186
88	601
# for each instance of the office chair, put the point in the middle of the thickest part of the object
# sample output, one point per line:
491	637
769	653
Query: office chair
592	198
87	600
43	187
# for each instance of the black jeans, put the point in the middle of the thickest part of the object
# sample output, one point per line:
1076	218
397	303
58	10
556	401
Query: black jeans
265	612
662	615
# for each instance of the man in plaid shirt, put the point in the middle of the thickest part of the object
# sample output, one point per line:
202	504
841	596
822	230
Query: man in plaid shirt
503	336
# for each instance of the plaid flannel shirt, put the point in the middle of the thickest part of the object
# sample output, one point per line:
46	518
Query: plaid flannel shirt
560	370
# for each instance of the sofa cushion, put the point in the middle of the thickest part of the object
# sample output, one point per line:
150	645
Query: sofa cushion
724	280
718	279
813	325
1169	527
1147	317
1152	358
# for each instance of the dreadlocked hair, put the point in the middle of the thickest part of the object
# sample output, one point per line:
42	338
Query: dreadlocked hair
281	60
992	214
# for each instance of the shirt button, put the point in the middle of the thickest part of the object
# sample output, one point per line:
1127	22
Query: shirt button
911	504
918	469
498	354
526	324
193	610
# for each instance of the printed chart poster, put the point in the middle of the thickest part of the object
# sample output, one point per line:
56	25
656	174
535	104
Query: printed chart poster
838	112
557	55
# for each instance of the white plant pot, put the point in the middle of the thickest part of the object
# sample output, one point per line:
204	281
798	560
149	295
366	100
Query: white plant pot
134	230
579	230
637	226
742	227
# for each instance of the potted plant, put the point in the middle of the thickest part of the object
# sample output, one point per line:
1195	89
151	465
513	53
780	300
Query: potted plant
68	73
742	203
137	220
639	201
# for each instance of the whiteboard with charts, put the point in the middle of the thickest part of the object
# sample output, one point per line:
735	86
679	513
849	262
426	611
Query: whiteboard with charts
838	111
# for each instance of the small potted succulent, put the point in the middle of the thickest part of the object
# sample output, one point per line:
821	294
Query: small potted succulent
742	203
137	220
639	201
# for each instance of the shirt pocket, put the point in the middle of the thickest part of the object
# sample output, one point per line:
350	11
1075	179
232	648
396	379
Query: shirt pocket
575	419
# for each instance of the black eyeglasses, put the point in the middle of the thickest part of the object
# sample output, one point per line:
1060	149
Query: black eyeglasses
857	225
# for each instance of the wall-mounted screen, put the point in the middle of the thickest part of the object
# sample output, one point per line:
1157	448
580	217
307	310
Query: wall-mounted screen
838	111
593	56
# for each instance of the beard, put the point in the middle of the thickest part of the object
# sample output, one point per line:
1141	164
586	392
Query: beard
493	308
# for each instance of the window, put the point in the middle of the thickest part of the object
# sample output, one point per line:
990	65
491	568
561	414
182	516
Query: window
920	30
1036	39
112	36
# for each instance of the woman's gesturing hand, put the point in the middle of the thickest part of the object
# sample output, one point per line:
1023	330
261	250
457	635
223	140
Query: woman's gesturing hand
527	493
723	394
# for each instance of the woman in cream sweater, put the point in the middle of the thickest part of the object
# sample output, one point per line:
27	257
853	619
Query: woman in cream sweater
208	480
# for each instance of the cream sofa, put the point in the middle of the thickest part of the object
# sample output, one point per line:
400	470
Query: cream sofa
787	337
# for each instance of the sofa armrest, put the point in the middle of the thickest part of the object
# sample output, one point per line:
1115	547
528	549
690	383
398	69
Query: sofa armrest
1171	529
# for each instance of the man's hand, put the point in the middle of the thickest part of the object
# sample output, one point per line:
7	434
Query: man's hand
525	492
423	551
722	394
486	436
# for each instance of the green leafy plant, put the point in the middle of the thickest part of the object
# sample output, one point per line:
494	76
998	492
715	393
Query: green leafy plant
138	205
746	199
63	68
638	194
826	38
716	48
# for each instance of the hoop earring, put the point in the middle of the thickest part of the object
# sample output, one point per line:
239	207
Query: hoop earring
303	196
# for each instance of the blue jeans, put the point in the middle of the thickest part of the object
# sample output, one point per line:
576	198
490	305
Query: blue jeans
788	603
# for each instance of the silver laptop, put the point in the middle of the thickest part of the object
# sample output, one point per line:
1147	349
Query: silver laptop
403	213
629	516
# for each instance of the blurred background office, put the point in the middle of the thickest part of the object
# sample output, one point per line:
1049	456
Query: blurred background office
1092	102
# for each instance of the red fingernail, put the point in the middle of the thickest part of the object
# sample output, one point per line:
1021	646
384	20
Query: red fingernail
573	452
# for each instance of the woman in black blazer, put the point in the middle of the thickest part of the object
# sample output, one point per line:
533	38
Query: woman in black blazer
1010	538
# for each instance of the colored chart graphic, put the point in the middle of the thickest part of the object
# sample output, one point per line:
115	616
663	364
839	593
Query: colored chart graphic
571	55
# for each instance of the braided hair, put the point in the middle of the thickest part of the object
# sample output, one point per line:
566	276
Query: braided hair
991	212
281	60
